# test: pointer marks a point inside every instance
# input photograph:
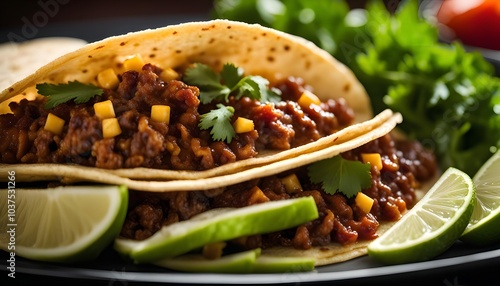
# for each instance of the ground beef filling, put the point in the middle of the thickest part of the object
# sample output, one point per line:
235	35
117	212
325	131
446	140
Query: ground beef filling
179	145
405	166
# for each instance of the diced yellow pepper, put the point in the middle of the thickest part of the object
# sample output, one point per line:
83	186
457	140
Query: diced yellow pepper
54	124
104	109
242	125
108	79
292	184
134	63
169	74
213	250
160	113
373	158
307	98
364	202
110	128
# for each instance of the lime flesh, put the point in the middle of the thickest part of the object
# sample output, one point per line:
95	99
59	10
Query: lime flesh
219	225
484	226
432	225
64	224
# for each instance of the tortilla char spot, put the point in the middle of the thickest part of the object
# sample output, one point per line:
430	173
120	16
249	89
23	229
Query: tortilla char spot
174	33
136	44
11	89
324	249
264	34
100	47
229	27
211	41
272	49
152	56
231	37
308	65
208	28
154	49
255	38
202	53
123	44
178	51
270	59
24	93
286	47
89	56
347	87
84	71
249	49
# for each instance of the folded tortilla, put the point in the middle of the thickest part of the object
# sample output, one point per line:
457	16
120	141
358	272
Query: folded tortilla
258	50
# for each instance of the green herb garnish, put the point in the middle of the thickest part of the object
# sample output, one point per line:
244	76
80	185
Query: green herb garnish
219	120
340	175
218	87
61	93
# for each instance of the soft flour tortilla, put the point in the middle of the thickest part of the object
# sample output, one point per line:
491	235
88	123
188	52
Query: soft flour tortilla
71	173
18	60
258	50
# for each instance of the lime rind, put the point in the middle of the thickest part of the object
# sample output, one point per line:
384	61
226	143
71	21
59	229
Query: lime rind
75	223
219	225
250	261
423	233
483	228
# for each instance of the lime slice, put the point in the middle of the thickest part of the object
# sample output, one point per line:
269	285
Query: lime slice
432	225
219	225
484	226
243	262
64	224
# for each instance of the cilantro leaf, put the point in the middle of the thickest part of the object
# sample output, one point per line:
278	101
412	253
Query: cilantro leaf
203	76
340	175
219	120
218	87
231	74
61	93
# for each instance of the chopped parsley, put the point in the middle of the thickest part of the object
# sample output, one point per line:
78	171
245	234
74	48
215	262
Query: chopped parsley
220	121
61	93
217	87
340	175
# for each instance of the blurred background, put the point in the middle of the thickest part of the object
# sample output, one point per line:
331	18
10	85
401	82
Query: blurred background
93	20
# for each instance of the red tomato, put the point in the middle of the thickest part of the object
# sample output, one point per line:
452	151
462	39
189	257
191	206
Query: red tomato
474	22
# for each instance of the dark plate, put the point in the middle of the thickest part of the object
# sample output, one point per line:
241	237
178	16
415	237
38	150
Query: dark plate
455	265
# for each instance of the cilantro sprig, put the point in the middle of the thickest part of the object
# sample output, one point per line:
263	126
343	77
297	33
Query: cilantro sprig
340	175
61	93
219	121
217	87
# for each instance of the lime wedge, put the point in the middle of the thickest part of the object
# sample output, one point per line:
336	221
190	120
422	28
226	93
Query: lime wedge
432	225
219	225
64	224
484	226
233	263
243	262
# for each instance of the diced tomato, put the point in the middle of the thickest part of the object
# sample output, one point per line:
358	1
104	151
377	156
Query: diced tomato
474	22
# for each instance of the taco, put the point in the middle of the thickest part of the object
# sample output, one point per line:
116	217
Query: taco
159	149
180	169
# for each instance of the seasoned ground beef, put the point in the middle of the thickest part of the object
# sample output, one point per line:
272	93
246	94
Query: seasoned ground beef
179	145
340	219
